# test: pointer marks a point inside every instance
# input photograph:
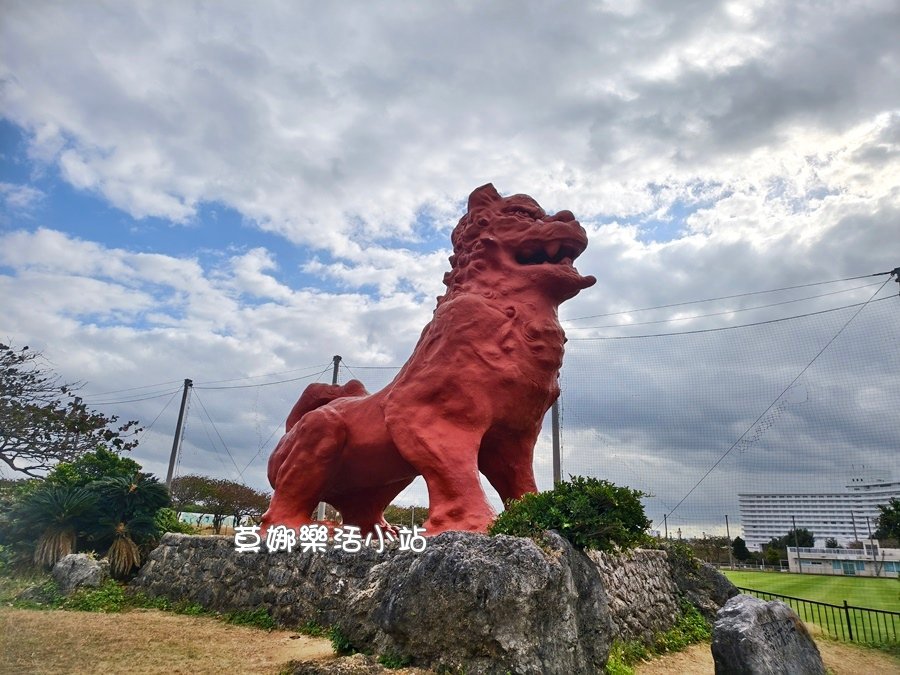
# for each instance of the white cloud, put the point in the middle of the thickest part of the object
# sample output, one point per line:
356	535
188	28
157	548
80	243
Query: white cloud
709	148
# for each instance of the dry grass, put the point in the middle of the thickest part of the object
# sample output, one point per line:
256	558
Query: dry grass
840	659
144	641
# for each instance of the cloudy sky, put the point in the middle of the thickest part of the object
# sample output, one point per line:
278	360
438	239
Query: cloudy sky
235	194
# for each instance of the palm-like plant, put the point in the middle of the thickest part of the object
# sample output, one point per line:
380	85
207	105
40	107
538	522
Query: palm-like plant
129	505
59	513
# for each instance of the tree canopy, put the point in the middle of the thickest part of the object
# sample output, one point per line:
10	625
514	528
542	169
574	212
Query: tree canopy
218	497
43	422
740	550
889	520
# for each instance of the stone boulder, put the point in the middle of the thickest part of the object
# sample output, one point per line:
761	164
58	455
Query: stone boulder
468	601
79	570
754	637
701	584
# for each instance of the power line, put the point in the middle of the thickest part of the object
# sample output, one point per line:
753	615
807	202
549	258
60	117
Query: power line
268	384
120	391
743	325
134	400
240	475
777	398
728	311
727	297
374	367
149	426
251	377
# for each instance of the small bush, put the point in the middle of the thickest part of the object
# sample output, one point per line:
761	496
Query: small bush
690	628
167	521
260	618
110	597
590	513
393	660
340	642
313	629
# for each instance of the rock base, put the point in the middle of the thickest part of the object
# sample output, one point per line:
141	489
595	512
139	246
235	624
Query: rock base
468	602
754	637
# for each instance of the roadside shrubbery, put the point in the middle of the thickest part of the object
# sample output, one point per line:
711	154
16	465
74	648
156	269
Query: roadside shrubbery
690	628
101	503
589	512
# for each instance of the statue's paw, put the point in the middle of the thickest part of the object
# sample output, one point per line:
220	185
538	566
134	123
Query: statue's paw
387	528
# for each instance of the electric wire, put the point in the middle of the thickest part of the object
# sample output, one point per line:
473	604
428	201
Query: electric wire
251	377
722	313
135	400
777	398
120	391
150	426
727	297
200	401
743	325
351	371
264	384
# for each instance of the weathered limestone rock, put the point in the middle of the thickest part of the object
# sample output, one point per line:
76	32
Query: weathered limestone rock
472	602
79	570
641	590
486	604
701	584
754	637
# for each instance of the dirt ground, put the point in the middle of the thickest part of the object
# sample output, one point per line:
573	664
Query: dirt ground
145	642
149	642
839	658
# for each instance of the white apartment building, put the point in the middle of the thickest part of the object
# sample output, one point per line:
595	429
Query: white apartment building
842	515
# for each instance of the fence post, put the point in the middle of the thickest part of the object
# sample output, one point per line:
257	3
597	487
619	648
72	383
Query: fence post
849	624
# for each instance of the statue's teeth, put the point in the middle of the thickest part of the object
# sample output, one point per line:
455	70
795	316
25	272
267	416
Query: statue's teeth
552	248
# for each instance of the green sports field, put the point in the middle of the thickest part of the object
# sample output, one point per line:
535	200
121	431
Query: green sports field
859	625
858	591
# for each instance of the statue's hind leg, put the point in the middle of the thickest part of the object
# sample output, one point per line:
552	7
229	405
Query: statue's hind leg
312	450
365	508
508	463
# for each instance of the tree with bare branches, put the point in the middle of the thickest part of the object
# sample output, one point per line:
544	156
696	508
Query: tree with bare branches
43	422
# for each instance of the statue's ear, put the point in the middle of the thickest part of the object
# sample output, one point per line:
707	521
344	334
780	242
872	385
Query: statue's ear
483	196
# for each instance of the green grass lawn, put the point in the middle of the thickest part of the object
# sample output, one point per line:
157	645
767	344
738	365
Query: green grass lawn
859	591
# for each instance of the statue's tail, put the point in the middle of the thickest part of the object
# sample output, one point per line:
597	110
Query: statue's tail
314	396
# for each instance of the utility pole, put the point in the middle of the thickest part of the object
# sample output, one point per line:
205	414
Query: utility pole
557	465
179	430
853	520
873	546
666	524
337	364
730	548
320	513
797	546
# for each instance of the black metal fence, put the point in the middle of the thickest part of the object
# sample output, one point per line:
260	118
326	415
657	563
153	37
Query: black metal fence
842	622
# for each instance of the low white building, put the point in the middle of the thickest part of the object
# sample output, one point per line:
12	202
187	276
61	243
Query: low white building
846	516
869	561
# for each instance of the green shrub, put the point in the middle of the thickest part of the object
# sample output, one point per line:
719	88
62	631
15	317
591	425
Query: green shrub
259	618
589	512
690	628
167	521
340	643
313	629
109	597
393	660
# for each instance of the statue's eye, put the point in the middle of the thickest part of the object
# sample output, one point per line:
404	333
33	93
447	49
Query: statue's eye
523	211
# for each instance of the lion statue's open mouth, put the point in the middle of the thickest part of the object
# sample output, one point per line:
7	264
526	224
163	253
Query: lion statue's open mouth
470	399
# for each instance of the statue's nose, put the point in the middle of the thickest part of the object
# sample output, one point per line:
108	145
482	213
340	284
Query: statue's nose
564	216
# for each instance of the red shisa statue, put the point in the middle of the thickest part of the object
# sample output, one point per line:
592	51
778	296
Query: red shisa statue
470	399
